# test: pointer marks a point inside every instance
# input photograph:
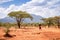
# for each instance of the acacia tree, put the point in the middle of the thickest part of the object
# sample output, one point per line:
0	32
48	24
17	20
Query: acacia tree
48	21
52	20
57	21
19	16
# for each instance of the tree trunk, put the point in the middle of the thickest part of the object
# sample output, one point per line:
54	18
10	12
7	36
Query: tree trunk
58	24
19	22
49	24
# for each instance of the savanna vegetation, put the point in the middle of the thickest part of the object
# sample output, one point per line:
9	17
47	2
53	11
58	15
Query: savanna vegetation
54	21
19	16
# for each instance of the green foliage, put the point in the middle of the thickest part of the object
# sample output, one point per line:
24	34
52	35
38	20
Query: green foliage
20	15
52	21
1	24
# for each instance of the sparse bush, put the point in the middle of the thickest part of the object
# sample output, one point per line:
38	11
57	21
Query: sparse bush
7	26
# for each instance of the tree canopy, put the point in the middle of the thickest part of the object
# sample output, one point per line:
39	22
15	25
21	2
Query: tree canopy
52	21
19	15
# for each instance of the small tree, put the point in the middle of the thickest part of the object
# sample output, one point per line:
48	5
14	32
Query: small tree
7	26
19	16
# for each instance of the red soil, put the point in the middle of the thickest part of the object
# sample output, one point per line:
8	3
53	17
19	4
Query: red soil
32	33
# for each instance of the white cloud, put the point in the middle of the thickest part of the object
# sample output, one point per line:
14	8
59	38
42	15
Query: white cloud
35	7
11	8
44	8
2	1
2	14
5	11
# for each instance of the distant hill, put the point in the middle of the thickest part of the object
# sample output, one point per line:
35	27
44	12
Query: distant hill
7	19
36	19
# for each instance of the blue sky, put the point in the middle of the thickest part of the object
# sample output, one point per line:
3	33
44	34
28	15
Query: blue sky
16	2
44	8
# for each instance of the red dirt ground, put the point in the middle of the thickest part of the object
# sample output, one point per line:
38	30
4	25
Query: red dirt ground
32	33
